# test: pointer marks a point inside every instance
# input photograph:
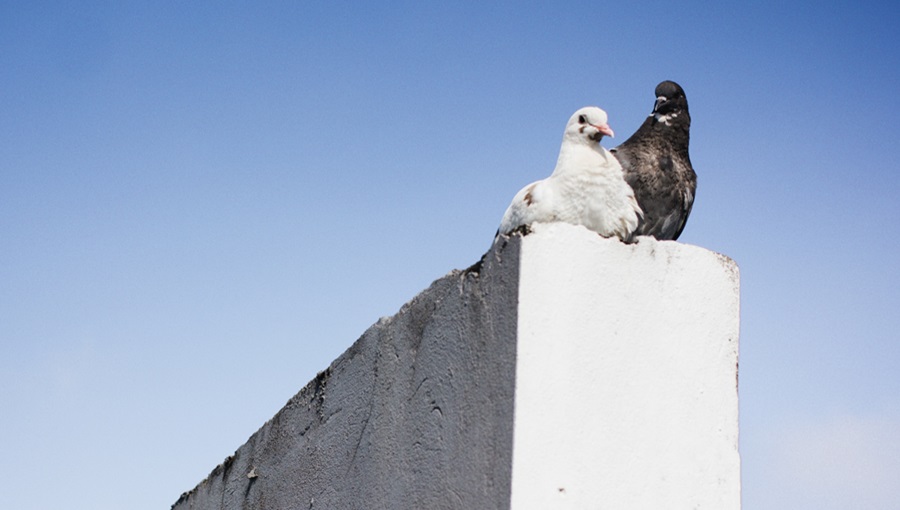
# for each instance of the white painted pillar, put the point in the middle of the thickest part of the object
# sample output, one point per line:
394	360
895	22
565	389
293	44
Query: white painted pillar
626	375
566	372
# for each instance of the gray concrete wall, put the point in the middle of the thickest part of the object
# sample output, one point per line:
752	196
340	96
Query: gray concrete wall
569	372
417	414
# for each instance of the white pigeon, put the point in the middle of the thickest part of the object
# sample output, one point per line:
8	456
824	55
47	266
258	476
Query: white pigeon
587	187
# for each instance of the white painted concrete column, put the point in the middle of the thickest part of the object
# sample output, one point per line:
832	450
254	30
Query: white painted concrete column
567	371
626	375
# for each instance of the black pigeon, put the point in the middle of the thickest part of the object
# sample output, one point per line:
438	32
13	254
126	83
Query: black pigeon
657	165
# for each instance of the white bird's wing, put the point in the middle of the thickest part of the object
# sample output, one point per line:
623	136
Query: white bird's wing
527	206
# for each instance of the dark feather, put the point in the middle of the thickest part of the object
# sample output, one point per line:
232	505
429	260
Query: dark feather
658	167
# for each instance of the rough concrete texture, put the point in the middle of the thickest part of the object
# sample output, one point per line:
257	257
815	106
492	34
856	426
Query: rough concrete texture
417	414
620	361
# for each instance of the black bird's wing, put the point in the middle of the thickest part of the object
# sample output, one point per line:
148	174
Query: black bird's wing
662	186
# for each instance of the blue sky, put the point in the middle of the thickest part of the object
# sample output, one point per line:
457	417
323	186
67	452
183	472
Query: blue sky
202	206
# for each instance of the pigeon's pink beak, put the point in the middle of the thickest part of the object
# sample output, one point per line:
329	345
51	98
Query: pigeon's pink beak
605	129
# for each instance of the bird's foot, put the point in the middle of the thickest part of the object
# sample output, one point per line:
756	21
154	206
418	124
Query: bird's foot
522	230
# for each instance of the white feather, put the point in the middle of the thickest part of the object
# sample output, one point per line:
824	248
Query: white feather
665	119
587	187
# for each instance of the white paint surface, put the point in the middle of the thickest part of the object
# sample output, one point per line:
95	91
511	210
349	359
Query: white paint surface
626	390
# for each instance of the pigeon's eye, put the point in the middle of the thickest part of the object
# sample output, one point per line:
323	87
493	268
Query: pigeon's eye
581	119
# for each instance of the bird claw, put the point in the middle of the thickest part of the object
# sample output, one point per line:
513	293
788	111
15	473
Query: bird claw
522	230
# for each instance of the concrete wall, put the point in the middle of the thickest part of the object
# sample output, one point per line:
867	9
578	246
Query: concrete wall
626	392
417	414
570	371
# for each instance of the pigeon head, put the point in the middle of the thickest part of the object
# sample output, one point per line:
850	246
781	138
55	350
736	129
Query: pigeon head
670	100
588	125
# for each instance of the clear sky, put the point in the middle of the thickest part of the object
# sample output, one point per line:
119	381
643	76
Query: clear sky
203	205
